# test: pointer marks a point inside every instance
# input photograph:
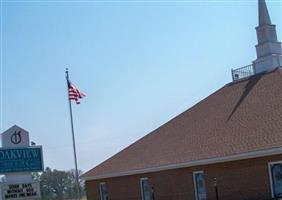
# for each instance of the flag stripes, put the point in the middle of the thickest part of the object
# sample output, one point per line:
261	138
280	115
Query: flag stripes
74	93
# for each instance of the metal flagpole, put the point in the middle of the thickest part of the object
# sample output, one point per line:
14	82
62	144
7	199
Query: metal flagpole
73	139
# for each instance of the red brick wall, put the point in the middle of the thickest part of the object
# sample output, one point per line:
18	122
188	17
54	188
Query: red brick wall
237	180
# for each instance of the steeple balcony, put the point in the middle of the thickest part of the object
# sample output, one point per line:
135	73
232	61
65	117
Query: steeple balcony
242	72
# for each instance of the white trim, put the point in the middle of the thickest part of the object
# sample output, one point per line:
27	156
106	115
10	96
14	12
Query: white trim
100	189
270	175
141	186
234	157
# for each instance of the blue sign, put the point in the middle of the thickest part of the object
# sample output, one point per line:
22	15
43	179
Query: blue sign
27	159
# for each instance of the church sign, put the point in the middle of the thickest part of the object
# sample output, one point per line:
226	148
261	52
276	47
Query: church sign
28	159
27	191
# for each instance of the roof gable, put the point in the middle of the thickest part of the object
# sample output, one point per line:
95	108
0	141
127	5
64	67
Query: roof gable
240	117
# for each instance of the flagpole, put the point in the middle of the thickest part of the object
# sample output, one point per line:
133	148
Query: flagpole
73	139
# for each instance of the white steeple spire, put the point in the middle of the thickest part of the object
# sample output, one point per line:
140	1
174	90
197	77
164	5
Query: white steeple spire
263	13
269	54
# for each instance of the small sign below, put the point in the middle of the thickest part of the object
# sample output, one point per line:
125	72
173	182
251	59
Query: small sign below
22	191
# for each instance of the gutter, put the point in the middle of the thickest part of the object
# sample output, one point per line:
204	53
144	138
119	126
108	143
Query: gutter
214	160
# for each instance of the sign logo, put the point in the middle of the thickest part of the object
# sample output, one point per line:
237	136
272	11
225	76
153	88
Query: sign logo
16	138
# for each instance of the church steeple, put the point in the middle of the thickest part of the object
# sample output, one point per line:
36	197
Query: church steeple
263	13
269	55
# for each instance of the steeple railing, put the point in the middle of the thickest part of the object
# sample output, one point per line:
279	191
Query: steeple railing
242	72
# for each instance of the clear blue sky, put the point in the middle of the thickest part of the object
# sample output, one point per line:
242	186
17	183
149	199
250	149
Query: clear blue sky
140	63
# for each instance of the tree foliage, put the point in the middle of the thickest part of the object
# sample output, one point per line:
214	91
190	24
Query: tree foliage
58	185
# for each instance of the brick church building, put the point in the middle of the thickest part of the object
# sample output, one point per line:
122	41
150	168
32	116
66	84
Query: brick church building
228	146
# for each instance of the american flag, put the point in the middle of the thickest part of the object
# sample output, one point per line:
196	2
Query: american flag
74	93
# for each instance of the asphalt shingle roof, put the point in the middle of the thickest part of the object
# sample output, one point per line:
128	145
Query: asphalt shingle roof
240	117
